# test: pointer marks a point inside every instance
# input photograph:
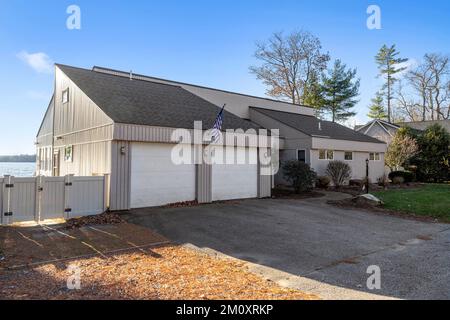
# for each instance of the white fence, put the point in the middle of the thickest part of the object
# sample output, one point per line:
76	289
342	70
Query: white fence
42	198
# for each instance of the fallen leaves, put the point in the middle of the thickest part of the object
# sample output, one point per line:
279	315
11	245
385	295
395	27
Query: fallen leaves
169	272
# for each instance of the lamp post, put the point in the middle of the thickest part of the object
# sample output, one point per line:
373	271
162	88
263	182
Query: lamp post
367	175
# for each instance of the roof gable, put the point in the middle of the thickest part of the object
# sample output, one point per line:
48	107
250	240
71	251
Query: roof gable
149	103
315	127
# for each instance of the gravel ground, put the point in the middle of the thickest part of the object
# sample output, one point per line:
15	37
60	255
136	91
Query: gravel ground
168	272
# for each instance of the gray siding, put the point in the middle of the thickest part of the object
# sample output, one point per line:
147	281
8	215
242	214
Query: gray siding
380	133
120	175
264	181
204	183
89	159
45	134
80	113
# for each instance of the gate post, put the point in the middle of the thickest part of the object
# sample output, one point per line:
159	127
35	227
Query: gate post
8	185
68	180
106	191
40	183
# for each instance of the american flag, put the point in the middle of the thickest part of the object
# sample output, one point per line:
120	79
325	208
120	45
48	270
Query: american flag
217	128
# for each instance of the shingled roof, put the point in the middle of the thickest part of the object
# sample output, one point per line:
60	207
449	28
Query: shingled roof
149	103
310	125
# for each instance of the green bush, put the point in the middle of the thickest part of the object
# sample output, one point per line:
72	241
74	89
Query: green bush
434	154
406	175
299	174
339	172
323	182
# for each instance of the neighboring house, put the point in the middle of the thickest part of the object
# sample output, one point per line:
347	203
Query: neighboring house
104	121
422	125
379	129
385	131
317	142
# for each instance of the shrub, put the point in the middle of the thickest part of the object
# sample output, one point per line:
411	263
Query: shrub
434	154
402	148
406	175
356	182
398	180
383	181
323	182
339	172
299	174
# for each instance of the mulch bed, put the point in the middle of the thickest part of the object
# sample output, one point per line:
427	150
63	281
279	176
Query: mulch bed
170	272
104	218
290	194
357	190
351	203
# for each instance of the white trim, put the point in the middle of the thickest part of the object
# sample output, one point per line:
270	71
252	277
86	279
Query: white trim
83	130
370	127
374	156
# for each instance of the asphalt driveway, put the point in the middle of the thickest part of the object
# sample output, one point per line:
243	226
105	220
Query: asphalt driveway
309	245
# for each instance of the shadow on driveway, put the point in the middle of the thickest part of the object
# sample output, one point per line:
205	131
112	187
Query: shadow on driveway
310	245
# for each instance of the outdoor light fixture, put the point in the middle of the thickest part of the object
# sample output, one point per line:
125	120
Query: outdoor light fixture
122	150
367	175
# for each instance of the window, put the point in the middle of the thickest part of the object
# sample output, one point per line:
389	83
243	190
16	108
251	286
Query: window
68	154
326	154
322	154
65	96
330	154
374	156
348	155
301	155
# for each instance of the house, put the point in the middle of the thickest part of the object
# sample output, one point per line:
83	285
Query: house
122	125
303	136
385	131
423	125
379	129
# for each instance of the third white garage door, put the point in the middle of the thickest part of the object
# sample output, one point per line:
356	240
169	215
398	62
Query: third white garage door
155	180
236	181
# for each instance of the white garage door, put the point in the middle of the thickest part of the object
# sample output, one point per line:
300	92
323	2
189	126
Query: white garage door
236	181
155	180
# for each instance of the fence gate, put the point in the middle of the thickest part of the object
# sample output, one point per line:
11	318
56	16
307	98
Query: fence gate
42	198
51	197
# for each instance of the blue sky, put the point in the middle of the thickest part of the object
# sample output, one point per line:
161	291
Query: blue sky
204	42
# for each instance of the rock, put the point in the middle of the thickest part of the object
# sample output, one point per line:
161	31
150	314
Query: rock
368	198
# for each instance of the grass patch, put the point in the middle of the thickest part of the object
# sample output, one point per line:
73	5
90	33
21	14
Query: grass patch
431	200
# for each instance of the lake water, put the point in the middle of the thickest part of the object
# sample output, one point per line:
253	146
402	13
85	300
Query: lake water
17	169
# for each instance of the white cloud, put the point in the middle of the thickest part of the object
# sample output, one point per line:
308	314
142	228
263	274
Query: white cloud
409	65
39	61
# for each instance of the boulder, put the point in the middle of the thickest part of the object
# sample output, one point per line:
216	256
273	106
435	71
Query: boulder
368	199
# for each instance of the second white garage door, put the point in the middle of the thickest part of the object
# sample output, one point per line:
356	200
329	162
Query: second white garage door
236	181
155	180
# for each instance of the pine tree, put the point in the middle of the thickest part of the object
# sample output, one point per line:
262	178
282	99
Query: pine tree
313	95
388	62
376	109
339	90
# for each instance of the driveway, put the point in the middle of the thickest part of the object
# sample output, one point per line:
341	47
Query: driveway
314	247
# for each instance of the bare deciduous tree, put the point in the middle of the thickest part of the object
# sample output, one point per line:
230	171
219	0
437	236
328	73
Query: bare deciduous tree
439	67
429	94
289	64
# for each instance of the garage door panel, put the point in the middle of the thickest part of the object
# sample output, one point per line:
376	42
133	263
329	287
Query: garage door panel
235	181
155	180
